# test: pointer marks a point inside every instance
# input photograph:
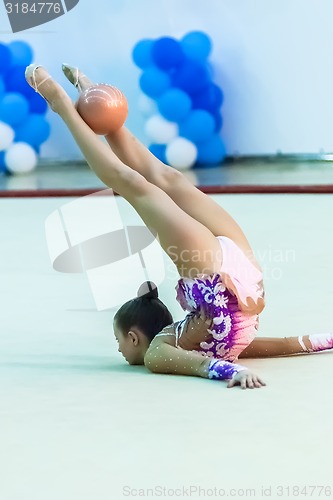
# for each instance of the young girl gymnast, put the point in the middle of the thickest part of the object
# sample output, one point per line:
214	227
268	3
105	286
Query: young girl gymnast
221	282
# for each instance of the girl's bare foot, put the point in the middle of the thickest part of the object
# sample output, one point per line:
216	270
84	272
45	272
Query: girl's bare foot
40	80
76	77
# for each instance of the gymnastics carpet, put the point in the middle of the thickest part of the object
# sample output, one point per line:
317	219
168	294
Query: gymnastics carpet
77	422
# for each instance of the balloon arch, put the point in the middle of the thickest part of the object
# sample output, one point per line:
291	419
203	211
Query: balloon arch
23	127
180	99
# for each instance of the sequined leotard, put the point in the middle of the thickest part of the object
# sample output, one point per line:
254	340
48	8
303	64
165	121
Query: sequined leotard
223	308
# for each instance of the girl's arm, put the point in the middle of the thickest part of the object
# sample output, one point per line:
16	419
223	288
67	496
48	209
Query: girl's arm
164	357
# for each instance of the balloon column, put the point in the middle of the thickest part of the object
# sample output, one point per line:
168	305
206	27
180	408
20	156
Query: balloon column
23	127
181	101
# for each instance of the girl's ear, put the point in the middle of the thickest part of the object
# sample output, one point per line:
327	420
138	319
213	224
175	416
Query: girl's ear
134	338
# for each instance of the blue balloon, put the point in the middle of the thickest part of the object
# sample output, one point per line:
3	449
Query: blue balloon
174	105
14	109
212	152
198	126
22	54
196	45
2	87
167	53
159	150
191	77
36	103
209	98
154	82
34	131
2	162
218	121
16	82
142	53
5	58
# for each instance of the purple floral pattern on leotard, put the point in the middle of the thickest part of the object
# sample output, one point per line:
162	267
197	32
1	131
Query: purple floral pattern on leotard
231	330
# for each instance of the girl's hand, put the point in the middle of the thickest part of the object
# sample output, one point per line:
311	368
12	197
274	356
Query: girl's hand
246	378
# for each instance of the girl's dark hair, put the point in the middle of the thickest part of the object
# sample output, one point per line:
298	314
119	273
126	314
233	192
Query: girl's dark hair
146	312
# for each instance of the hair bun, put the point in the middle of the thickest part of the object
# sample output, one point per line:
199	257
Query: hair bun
148	290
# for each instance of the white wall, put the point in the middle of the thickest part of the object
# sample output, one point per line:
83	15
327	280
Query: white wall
273	59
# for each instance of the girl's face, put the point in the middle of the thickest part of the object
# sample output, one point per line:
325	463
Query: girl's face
123	345
127	347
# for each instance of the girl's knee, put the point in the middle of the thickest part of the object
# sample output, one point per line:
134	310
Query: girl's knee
169	178
135	182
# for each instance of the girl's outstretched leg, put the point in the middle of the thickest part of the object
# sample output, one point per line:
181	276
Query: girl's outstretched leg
187	196
264	347
182	237
190	199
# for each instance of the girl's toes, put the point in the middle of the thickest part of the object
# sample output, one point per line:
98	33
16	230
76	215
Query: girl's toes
76	77
42	82
35	76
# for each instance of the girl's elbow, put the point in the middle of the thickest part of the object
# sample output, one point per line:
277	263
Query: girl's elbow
151	363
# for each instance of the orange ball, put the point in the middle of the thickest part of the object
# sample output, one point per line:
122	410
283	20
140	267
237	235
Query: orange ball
103	107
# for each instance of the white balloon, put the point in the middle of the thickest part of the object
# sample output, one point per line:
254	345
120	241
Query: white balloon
161	131
181	153
6	136
146	105
20	158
